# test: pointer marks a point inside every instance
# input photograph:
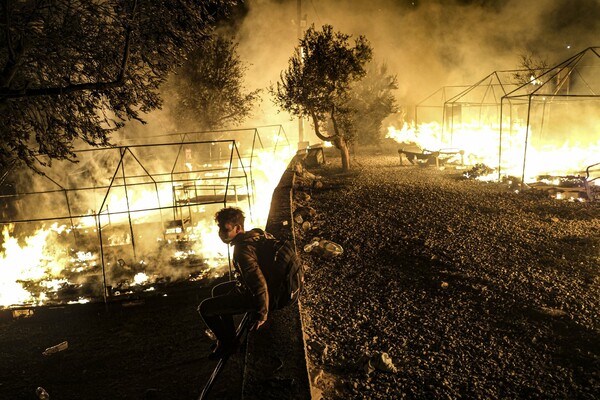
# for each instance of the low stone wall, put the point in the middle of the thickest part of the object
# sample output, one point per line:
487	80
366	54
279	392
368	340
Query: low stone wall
276	354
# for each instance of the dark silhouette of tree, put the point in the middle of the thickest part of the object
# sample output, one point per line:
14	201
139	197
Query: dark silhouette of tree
208	89
317	83
74	71
530	66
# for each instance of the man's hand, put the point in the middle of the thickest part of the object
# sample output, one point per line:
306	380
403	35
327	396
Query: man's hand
256	324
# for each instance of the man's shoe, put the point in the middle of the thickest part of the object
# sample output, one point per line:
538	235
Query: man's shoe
220	350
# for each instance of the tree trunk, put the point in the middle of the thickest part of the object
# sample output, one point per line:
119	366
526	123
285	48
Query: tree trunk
338	140
341	144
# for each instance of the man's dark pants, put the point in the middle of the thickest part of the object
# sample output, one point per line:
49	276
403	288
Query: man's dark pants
228	299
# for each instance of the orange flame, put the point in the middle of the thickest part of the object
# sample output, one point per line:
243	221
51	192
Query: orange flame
481	145
42	259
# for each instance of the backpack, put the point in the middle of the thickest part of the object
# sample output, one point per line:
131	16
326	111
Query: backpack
280	259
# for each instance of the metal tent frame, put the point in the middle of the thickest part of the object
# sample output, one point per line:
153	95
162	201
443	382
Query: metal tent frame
482	101
565	91
134	174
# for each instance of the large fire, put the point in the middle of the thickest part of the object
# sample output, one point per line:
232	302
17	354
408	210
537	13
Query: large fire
481	145
527	124
60	262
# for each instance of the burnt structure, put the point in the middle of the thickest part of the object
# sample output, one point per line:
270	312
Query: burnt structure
132	218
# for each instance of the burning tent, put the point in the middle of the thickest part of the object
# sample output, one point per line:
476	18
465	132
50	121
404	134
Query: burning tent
129	219
545	130
459	121
551	124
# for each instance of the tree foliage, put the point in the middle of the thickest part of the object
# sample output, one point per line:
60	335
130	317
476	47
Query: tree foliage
372	101
317	83
76	70
208	89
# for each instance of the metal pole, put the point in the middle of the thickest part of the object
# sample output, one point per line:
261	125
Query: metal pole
104	287
99	221
241	330
500	141
71	217
128	208
526	140
300	120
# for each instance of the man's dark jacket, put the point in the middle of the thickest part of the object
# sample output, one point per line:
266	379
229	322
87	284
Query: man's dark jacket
256	274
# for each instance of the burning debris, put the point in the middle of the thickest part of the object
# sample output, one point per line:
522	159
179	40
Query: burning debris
416	156
545	125
569	187
137	232
479	171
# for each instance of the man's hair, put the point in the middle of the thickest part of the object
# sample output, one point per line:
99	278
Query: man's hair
232	215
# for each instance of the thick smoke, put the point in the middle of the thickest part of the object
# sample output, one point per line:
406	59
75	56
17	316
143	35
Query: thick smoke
427	44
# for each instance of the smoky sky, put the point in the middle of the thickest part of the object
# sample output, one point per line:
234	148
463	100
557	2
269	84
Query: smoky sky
426	44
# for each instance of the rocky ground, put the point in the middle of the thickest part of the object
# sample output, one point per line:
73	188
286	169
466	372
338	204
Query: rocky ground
141	349
448	287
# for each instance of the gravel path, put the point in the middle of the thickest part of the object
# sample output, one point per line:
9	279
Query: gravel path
472	290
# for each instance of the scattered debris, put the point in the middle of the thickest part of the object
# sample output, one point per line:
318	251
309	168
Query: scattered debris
209	334
22	313
478	170
553	312
316	376
418	156
133	303
306	180
302	197
55	349
42	394
516	266
324	248
304	214
318	347
376	362
306	226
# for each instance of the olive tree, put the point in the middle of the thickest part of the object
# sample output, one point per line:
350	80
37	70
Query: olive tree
208	91
75	71
372	101
317	83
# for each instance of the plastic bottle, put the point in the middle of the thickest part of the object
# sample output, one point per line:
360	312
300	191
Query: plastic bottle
314	243
323	247
330	249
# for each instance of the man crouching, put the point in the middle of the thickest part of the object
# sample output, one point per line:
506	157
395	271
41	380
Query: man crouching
249	292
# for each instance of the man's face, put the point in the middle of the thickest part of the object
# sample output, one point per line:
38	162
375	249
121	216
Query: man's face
228	231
